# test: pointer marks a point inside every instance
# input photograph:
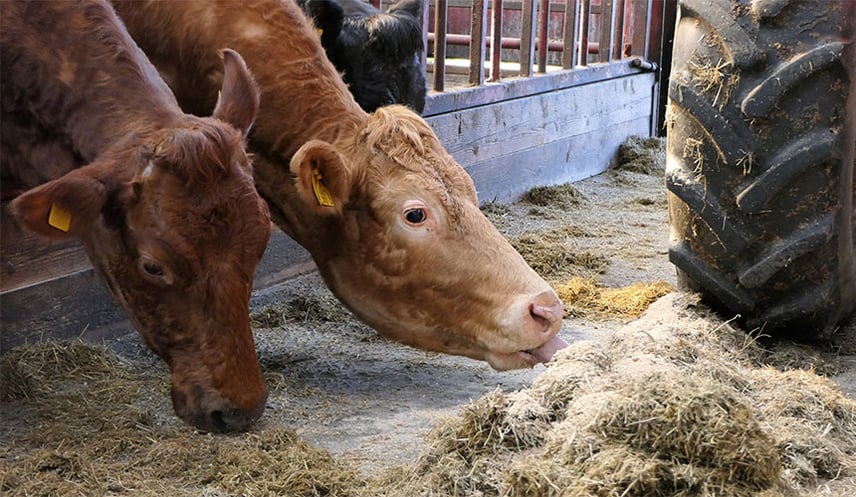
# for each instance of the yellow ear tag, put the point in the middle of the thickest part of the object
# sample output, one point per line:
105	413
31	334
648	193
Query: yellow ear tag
319	32
59	218
321	192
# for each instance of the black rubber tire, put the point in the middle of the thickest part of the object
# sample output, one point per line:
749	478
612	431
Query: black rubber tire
761	137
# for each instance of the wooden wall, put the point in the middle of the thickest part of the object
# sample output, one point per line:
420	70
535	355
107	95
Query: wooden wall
550	138
71	302
555	135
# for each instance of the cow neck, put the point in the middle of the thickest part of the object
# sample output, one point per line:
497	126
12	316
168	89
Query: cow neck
303	96
100	131
334	124
303	100
136	103
114	91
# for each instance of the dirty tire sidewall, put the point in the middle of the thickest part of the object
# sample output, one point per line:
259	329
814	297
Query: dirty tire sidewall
761	135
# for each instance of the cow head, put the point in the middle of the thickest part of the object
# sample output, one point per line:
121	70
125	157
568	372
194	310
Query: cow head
173	225
379	54
393	223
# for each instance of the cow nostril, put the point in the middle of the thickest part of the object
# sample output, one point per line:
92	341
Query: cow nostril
229	418
218	424
546	310
540	315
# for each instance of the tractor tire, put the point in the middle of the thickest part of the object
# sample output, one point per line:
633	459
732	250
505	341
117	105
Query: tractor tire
761	138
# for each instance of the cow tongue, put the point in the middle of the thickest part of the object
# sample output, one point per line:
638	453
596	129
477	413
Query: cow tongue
545	352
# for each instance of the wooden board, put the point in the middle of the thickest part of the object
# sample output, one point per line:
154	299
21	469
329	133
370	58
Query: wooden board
550	138
26	259
77	304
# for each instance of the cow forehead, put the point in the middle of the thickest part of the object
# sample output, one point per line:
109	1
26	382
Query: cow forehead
195	209
201	150
196	168
209	207
403	138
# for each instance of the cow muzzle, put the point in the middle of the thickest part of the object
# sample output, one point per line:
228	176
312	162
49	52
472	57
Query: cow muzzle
208	411
538	321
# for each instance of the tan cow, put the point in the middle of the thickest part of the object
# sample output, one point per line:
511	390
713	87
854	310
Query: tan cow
164	202
391	220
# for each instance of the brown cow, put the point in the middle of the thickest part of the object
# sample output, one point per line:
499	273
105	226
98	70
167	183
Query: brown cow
165	204
391	220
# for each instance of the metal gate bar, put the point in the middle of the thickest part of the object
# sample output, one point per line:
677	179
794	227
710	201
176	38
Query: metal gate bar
534	39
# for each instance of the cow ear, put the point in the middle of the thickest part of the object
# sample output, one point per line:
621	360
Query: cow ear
64	207
328	17
323	181
411	7
238	103
401	37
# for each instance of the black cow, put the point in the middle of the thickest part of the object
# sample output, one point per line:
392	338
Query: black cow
378	54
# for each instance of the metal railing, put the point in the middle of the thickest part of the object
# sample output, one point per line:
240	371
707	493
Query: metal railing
582	40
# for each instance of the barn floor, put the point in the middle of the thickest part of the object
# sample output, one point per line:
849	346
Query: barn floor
371	402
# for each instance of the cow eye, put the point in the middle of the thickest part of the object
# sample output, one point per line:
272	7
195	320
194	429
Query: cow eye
152	269
415	216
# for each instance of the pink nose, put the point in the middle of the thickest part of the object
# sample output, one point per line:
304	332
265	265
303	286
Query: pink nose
546	312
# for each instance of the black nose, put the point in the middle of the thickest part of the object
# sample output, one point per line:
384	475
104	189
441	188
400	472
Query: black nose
214	414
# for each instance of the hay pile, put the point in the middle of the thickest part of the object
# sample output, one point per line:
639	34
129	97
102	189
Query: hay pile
642	155
656	409
574	274
323	308
585	298
553	201
551	255
102	425
674	404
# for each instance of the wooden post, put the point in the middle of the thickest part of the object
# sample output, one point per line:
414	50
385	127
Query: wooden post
496	41
618	30
571	34
441	11
607	18
585	16
424	21
543	32
478	29
527	39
